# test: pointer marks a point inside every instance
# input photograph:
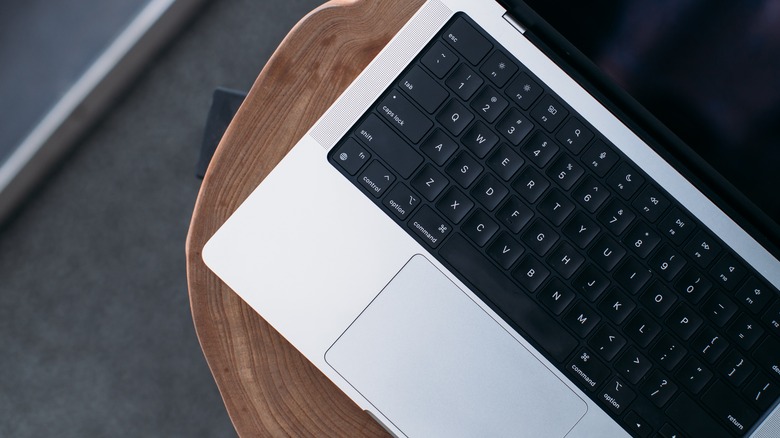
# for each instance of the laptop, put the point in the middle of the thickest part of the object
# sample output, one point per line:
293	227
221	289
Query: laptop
481	238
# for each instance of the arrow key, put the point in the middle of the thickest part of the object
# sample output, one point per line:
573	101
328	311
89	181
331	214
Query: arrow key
669	431
636	424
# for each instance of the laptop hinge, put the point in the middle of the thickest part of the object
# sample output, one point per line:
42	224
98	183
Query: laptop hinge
514	22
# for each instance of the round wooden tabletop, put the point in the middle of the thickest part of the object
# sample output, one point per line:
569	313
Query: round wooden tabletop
268	387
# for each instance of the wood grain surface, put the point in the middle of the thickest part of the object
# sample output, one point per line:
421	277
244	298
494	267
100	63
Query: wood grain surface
268	387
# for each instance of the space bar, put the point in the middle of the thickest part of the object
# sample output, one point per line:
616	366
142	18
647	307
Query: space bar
493	284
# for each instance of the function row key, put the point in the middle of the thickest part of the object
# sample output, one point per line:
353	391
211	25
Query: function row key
467	41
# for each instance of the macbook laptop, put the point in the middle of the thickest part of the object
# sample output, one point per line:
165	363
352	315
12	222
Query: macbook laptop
481	237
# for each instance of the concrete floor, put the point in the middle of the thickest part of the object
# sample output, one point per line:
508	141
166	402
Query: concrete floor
96	336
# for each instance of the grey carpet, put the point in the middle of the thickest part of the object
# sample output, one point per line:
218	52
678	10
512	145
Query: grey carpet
96	336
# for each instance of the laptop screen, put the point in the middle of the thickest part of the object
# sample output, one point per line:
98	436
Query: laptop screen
708	71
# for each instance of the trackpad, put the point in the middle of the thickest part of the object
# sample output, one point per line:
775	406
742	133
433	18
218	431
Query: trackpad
434	363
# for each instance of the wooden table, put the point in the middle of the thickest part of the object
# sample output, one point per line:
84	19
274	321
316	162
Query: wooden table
268	387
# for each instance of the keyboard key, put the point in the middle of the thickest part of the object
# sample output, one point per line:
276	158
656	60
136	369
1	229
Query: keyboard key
591	194
574	135
565	260
581	319
642	328
467	41
429	182
591	283
767	356
505	250
489	192
401	201
607	253
429	226
637	424
693	419
669	431
351	156
710	344
556	207
465	82
728	272
625	180
439	147
514	214
524	91
642	239
530	273
581	230
376	178
667	262
693	286
772	318
423	89
499	68
394	150
694	375
745	332
587	370
651	203
464	169
632	365
719	309
657	299
755	294
600	158
454	117
505	162
489	104
668	352
549	113
439	59
530	184
659	388
402	114
480	139
539	149
454	205
702	248
761	391
684	322
735	368
556	296
616	217
729	408
616	306
479	228
632	276
677	226
565	171
521	309
616	395
540	237
607	342
514	126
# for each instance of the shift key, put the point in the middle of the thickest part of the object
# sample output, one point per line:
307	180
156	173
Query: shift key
389	146
402	114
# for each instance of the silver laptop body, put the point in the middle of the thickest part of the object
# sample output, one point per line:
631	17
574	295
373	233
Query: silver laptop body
392	325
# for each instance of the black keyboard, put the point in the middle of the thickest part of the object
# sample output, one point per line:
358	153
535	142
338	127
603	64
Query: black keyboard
618	285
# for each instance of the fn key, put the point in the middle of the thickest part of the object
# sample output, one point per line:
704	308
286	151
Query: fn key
351	156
